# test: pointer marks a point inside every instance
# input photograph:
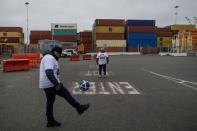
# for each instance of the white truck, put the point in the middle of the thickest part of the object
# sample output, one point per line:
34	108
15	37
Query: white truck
69	52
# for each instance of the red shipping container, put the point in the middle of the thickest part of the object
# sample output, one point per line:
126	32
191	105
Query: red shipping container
106	36
110	22
151	50
86	42
142	29
164	32
85	34
71	38
40	32
11	29
85	39
41	37
194	37
87	45
194	32
33	41
132	49
10	39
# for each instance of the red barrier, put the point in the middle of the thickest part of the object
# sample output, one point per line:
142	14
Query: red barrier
87	57
74	58
34	58
15	65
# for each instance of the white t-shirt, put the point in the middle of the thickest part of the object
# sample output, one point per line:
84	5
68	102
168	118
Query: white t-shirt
48	62
102	58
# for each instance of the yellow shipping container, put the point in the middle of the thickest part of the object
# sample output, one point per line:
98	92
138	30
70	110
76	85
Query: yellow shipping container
33	45
164	41
10	34
111	43
110	29
182	27
15	45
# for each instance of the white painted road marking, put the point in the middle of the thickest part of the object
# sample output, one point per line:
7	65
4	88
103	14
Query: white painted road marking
105	88
179	81
94	73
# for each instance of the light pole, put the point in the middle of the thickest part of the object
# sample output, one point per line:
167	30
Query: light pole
27	33
176	13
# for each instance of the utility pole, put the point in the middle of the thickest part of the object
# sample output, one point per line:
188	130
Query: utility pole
27	33
176	13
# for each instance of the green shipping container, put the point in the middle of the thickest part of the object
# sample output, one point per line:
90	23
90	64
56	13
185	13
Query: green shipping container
60	32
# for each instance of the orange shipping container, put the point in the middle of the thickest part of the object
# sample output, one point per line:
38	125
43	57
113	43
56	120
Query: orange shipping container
112	36
11	29
109	22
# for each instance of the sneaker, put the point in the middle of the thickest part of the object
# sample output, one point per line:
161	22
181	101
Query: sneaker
53	123
83	108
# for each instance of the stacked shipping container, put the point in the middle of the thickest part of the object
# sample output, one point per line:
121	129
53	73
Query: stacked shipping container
179	34
176	28
164	39
193	34
86	40
141	34
109	33
12	36
186	40
36	35
65	32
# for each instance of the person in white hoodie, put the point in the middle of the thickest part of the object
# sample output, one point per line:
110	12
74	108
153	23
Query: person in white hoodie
102	59
50	82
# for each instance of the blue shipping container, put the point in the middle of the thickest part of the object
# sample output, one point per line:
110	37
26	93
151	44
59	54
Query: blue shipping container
142	36
140	22
60	32
142	42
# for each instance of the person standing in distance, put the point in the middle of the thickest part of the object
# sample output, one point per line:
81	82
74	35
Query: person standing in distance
49	81
102	59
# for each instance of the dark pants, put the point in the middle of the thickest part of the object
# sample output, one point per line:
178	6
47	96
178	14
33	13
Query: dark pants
102	68
50	95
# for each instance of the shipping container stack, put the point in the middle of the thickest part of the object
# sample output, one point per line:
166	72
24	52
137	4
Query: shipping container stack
177	37
65	33
177	27
164	39
12	36
141	36
187	40
110	34
193	34
86	40
36	35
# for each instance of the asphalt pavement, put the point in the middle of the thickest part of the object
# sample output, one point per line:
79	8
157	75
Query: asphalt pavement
140	93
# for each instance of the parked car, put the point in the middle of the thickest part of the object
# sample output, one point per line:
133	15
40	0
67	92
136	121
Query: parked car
69	52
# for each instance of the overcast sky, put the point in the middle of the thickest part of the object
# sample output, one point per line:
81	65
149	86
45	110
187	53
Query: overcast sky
83	12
